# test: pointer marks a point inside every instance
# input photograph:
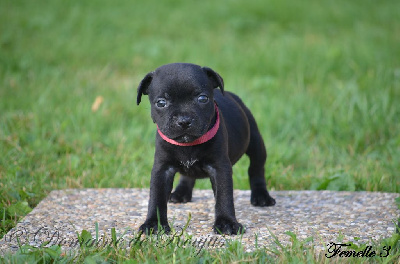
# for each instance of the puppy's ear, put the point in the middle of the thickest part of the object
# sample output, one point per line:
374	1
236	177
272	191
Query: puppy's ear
215	79
143	87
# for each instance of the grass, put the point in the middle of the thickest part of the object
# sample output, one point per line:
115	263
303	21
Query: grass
322	79
118	248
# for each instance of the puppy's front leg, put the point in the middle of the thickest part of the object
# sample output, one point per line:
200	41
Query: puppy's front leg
162	178
222	183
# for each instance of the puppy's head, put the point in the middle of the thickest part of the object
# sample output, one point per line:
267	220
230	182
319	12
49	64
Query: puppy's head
182	99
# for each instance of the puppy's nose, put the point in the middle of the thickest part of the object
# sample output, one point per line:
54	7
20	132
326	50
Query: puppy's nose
184	122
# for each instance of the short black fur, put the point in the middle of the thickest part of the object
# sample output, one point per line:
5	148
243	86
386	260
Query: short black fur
179	86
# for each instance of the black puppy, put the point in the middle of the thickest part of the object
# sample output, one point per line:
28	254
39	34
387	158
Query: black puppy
201	133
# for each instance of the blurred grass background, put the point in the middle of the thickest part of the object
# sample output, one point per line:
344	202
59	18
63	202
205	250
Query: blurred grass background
321	77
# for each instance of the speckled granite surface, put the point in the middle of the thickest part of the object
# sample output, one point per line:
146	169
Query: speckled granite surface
327	216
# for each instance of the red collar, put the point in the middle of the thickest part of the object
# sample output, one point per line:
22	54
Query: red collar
204	138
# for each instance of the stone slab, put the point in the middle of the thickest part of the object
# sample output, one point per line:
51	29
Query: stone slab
328	216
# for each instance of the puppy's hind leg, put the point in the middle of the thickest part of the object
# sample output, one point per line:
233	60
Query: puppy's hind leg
258	155
183	192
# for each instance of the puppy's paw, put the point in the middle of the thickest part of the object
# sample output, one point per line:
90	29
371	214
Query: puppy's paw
180	197
226	227
261	197
151	227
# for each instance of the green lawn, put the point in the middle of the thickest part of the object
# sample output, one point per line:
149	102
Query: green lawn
321	77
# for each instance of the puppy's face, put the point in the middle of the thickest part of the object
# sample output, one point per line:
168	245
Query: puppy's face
181	98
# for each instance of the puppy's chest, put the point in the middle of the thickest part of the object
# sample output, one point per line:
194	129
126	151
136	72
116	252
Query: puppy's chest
192	167
188	163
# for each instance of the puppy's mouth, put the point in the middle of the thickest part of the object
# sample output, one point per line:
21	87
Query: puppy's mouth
185	138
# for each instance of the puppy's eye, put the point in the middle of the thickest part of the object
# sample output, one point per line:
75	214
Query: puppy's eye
202	99
161	103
